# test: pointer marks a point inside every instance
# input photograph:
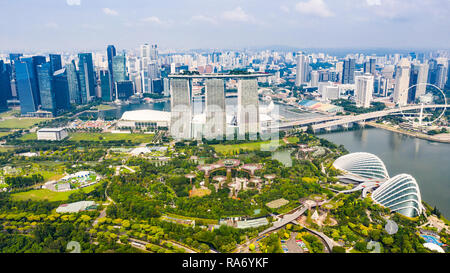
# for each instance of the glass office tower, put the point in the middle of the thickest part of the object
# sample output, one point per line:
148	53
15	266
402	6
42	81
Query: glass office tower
74	83
55	62
86	77
119	68
61	90
105	85
26	86
47	94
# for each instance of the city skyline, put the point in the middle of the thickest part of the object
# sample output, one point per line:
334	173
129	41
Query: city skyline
88	25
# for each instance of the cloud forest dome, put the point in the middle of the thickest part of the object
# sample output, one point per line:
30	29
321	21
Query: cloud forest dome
400	194
365	165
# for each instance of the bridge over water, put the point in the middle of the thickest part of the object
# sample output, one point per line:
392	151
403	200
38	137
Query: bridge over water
330	121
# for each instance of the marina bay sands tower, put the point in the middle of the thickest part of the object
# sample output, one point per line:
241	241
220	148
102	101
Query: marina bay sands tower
215	116
248	107
215	126
181	109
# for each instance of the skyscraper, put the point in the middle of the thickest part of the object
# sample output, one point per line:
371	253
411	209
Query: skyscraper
111	52
181	109
26	86
55	62
417	81
302	69
61	90
315	78
47	92
5	86
248	107
154	74
14	57
73	82
86	77
441	75
402	75
105	85
124	89
119	64
348	71
447	85
215	109
369	66
363	90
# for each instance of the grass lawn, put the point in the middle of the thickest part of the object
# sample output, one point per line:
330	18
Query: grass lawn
103	107
234	148
20	123
9	113
292	140
44	194
2	134
135	138
30	136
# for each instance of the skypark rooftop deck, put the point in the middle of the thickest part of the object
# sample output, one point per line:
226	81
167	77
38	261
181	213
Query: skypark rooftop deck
218	76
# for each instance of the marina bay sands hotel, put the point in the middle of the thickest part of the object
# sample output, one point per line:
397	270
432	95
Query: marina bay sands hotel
214	116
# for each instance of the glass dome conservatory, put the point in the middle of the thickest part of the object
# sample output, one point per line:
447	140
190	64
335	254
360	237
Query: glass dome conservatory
400	194
365	165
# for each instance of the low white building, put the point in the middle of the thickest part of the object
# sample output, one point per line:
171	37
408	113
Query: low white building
54	134
75	207
144	118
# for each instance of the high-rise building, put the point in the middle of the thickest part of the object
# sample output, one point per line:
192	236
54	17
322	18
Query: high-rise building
302	69
314	78
26	86
105	86
5	86
73	82
215	126
154	73
14	57
111	52
363	90
119	64
46	90
61	87
86	77
248	107
369	66
417	81
447	85
402	74
124	89
55	62
441	75
348	71
181	109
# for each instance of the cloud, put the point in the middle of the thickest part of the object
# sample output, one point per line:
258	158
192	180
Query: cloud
284	9
51	25
314	7
73	2
203	18
109	11
373	2
152	19
237	15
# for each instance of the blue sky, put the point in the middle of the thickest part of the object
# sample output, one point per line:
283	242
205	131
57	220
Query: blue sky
92	24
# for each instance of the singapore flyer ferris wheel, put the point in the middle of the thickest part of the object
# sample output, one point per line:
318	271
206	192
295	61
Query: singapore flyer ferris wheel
429	100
